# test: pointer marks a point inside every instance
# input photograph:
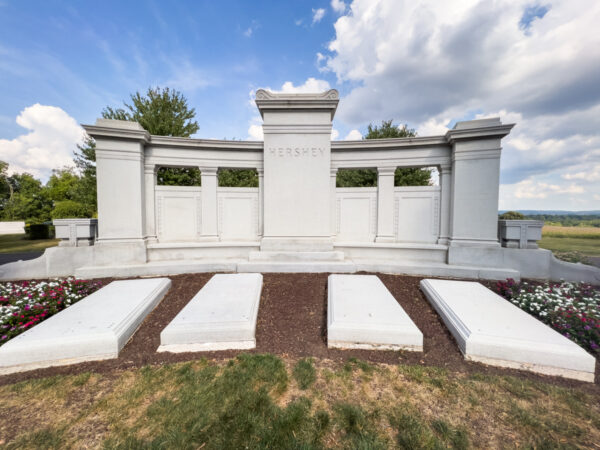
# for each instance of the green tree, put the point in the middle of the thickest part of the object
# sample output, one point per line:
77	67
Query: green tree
85	161
403	176
6	190
238	178
178	176
30	201
512	215
61	184
69	193
163	112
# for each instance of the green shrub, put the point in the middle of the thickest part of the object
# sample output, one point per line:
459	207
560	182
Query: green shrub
39	231
512	215
70	209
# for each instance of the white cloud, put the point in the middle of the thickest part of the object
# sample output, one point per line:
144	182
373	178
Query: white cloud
536	189
354	135
311	85
52	138
430	63
588	175
318	14
298	22
255	130
338	6
334	134
248	32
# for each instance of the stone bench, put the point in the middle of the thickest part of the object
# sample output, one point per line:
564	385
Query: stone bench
363	314
221	316
493	331
97	327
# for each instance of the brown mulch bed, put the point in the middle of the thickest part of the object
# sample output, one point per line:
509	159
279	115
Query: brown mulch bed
292	322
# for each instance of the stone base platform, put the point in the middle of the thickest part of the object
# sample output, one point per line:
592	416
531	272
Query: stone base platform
491	330
221	316
97	327
362	313
166	268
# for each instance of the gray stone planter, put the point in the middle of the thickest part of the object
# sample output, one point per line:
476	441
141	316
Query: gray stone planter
76	232
520	233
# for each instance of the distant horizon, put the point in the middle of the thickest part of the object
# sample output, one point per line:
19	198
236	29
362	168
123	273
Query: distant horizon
553	212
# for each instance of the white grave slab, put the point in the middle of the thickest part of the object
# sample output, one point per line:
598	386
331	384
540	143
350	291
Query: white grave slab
362	313
493	331
97	327
221	316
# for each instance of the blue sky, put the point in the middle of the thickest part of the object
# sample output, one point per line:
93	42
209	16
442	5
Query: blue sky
425	63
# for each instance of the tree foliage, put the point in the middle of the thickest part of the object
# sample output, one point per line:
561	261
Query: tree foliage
403	176
178	176
512	215
163	112
28	199
238	178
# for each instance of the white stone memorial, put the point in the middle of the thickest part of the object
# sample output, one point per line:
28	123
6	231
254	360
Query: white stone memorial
97	327
221	316
297	219
363	314
493	331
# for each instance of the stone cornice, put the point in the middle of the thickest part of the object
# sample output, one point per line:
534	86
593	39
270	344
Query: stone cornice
217	144
297	129
97	131
388	144
324	101
497	132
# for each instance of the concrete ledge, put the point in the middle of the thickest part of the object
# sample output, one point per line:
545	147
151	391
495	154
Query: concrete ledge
362	313
94	328
156	268
289	257
491	330
297	267
221	316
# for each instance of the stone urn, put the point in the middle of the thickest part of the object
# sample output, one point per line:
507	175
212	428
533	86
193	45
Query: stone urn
76	232
520	233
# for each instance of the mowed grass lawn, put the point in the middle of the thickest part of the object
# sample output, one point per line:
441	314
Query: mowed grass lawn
574	244
262	401
15	243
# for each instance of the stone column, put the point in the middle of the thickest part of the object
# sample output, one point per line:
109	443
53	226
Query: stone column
475	177
120	180
261	195
297	159
150	181
332	183
385	204
210	230
445	171
120	157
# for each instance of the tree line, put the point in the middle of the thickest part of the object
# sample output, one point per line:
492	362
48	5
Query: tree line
71	191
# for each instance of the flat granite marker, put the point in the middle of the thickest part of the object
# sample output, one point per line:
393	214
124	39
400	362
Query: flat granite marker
96	327
362	313
221	316
493	331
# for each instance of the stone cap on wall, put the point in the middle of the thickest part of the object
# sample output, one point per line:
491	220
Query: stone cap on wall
272	101
478	129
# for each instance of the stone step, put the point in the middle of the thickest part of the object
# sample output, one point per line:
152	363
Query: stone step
97	327
221	316
491	330
297	267
362	313
279	256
